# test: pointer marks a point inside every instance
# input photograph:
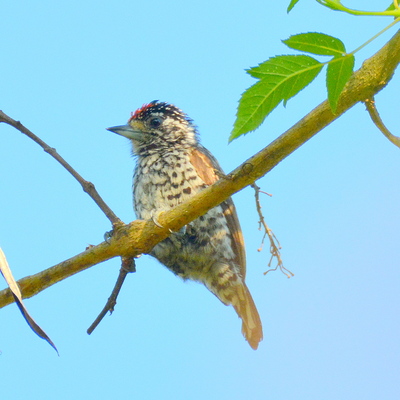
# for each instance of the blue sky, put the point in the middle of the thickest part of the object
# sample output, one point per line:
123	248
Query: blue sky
71	69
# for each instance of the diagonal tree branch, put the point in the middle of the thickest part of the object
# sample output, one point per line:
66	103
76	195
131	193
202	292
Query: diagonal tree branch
141	236
87	186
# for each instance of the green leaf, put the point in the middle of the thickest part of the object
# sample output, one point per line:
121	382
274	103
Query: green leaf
337	75
391	8
291	5
316	43
281	78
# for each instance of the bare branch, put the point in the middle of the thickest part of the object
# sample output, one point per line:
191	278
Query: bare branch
128	265
376	118
141	236
88	187
274	245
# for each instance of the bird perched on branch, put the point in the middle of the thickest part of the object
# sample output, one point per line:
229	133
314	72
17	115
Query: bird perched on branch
171	167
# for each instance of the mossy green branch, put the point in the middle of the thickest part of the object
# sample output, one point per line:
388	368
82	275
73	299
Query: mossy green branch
140	236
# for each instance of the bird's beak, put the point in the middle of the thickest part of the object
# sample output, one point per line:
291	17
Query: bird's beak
127	131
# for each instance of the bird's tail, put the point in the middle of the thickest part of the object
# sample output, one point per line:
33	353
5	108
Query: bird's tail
247	311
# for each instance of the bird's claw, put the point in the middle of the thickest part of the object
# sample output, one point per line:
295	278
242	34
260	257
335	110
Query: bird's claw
108	235
154	218
182	231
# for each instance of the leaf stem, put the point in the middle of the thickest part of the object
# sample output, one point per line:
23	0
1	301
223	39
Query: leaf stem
375	36
337	6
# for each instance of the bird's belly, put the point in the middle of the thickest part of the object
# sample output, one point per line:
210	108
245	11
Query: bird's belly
201	244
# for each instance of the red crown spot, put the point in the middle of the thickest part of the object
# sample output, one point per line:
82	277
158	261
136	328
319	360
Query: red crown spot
140	111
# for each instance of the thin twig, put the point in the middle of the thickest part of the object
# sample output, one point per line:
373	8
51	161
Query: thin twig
88	187
273	241
128	265
376	118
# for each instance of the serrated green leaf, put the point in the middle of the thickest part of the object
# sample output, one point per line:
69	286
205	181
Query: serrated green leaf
337	75
316	43
281	78
283	66
291	5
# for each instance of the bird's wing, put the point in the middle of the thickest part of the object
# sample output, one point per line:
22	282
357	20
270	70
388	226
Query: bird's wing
207	168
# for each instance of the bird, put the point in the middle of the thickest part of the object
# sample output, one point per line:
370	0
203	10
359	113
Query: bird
172	166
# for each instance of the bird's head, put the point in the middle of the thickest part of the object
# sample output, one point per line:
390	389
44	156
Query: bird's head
158	127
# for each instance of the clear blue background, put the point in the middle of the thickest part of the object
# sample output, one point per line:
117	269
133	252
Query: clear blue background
70	69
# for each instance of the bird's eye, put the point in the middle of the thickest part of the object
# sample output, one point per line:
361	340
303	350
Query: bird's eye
155	122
